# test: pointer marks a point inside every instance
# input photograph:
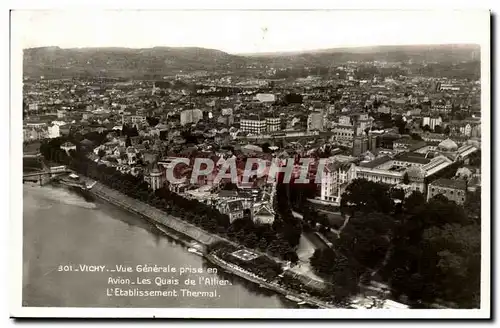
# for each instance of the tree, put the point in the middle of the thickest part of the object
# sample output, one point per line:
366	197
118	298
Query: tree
291	256
402	127
472	205
367	238
436	251
338	270
406	179
152	121
475	159
265	147
447	130
397	193
455	252
366	196
440	211
426	128
251	240
128	142
438	129
262	244
293	98
323	261
345	278
416	136
413	202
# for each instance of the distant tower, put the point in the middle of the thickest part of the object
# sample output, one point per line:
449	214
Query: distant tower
155	175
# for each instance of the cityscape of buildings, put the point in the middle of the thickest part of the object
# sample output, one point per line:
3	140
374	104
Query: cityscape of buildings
355	117
392	124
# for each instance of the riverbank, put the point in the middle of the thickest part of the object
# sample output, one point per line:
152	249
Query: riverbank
234	269
59	226
181	231
154	215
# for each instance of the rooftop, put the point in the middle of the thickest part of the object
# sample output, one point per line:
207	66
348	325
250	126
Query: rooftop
412	157
228	193
449	183
376	162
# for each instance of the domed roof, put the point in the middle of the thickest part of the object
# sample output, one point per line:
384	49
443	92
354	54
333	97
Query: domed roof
448	144
155	169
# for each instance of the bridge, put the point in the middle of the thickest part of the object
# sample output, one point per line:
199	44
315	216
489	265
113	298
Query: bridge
32	155
39	173
44	176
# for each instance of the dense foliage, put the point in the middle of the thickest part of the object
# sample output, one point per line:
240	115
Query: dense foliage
428	251
437	253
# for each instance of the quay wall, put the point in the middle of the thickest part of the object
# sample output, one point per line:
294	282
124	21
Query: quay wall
153	214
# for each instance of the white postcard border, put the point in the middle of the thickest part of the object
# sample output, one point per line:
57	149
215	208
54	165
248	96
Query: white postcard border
15	285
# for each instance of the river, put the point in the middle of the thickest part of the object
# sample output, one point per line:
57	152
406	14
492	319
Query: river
62	229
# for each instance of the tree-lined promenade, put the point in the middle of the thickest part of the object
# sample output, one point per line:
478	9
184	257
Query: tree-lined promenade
426	252
278	239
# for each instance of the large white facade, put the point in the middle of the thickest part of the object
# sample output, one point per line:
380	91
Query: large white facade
53	131
315	121
251	125
190	116
334	181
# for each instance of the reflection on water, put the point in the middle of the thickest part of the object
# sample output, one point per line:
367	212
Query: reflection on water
61	228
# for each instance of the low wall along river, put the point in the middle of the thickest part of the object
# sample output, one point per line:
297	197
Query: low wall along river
154	214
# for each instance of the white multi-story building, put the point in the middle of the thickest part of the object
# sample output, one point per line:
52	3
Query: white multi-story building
362	125
273	124
392	170
449	86
335	179
154	177
466	130
380	170
440	108
432	122
344	120
191	116
33	107
315	121
265	97
137	119
253	125
343	134
53	131
35	131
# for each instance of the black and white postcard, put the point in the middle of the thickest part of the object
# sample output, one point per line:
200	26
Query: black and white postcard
250	163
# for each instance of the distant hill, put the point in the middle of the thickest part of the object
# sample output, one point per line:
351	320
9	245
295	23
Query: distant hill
53	62
124	62
447	54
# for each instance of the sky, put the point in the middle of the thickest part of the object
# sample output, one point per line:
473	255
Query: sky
246	31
